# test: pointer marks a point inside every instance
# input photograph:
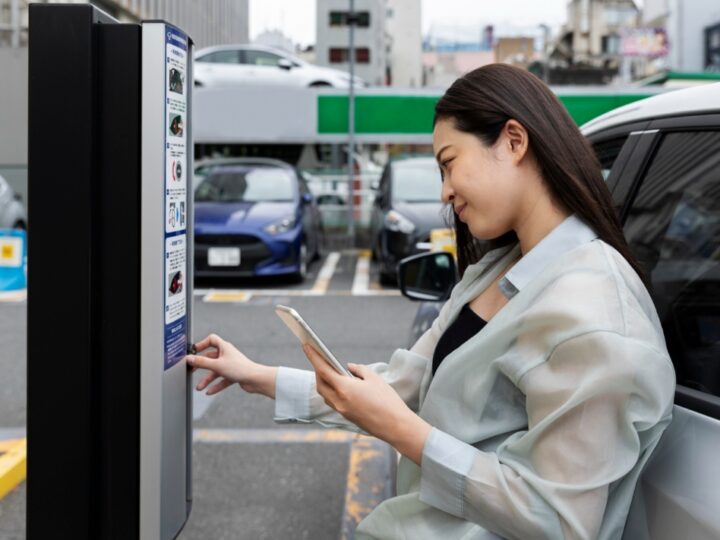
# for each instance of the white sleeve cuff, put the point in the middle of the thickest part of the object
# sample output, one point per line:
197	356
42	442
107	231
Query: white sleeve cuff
293	388
446	462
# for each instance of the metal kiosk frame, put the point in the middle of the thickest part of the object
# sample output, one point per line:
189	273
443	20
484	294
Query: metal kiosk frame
110	277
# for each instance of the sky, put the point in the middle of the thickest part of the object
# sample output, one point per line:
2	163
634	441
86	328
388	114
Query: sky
296	18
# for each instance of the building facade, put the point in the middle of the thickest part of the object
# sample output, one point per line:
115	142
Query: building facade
686	23
594	29
208	22
332	38
403	27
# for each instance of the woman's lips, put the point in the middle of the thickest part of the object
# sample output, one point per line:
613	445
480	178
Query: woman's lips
459	210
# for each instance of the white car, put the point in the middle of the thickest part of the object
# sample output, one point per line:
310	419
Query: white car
661	160
232	65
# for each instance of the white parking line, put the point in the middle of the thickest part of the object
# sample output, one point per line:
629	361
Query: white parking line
360	287
326	273
361	281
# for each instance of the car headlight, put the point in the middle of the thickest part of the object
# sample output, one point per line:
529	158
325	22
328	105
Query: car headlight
281	226
395	221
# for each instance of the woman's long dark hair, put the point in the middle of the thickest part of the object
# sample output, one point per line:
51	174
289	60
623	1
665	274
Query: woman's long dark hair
483	100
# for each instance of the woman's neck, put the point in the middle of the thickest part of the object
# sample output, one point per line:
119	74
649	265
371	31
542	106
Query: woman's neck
541	218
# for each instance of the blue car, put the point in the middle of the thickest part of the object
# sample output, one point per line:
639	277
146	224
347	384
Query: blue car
255	217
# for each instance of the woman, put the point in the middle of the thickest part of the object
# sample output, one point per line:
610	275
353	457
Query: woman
531	405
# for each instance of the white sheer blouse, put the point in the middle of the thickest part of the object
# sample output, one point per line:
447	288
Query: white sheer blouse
543	420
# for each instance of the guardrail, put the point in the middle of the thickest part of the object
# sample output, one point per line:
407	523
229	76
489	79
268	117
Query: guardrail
331	192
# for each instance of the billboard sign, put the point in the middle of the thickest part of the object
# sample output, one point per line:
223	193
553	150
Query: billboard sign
644	42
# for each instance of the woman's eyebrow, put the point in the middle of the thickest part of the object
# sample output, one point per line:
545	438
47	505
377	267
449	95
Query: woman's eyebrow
437	156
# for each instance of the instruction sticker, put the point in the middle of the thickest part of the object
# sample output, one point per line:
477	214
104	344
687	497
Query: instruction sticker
175	298
176	175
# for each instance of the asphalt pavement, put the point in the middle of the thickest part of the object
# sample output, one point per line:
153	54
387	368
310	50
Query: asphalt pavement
253	478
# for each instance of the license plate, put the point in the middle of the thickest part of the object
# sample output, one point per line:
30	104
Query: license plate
224	256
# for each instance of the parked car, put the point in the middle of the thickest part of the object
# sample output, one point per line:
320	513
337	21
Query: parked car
12	213
230	65
661	160
254	217
406	208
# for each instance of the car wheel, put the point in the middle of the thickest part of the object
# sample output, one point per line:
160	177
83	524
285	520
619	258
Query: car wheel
320	84
20	226
301	274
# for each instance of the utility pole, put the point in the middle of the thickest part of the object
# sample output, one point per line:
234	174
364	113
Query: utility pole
15	23
352	20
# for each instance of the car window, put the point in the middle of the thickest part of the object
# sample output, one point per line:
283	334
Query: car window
246	185
607	152
221	57
261	58
416	182
673	227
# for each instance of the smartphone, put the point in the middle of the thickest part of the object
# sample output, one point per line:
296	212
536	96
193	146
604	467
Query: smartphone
305	334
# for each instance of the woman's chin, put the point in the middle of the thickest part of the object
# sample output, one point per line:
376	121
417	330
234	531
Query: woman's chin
485	234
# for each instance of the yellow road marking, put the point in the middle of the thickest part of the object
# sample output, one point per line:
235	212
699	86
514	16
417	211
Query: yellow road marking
13	464
227	296
361	497
370	468
272	436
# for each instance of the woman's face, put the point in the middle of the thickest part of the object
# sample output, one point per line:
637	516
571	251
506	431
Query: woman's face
484	184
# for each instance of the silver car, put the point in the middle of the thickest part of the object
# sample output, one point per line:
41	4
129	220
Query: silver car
12	212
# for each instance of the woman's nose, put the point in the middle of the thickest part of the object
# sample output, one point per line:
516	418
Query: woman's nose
447	194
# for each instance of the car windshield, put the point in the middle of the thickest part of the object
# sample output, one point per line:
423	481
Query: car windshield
416	182
262	184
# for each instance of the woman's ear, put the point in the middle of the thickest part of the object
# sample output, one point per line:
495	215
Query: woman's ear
516	137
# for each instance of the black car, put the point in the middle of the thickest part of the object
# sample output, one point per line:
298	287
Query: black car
407	207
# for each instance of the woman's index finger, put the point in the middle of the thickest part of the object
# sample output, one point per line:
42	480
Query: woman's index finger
319	363
210	341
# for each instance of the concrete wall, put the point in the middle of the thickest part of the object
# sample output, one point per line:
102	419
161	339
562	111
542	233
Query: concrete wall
208	22
685	22
403	27
13	118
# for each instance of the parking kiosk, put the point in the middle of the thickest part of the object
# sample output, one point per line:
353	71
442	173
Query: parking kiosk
110	276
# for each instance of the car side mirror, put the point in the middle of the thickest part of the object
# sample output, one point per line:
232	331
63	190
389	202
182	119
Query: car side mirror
307	198
428	276
284	63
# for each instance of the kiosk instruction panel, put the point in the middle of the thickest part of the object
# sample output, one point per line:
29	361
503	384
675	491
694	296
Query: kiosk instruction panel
175	196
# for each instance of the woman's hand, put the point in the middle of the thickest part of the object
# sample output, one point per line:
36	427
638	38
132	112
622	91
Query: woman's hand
371	404
226	362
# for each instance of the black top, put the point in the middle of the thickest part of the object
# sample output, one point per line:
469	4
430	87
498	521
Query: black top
467	324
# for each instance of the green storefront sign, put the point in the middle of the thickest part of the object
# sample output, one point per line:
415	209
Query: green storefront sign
412	115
